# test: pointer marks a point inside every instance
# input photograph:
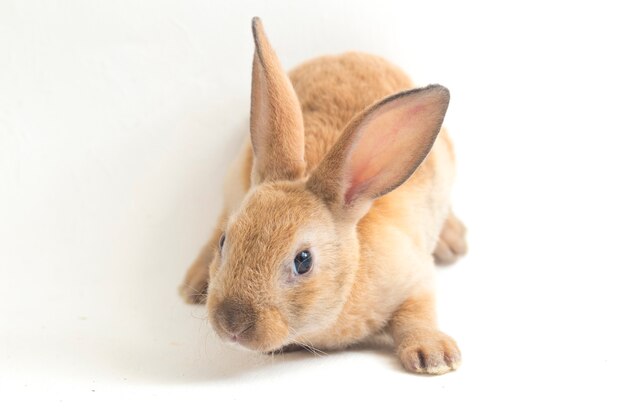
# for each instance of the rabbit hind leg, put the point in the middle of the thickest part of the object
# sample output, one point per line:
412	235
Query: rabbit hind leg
452	243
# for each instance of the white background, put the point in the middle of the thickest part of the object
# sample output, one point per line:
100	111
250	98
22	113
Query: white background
118	119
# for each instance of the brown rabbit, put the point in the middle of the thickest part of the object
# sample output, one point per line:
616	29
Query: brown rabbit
329	226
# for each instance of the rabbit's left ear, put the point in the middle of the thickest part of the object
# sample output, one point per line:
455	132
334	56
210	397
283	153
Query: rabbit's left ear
380	149
276	126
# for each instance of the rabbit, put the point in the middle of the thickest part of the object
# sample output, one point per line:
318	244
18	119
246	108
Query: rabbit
335	212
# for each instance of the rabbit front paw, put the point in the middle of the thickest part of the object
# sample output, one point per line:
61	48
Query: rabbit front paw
431	352
194	287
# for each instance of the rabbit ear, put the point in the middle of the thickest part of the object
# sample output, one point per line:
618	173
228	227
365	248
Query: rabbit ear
380	148
276	126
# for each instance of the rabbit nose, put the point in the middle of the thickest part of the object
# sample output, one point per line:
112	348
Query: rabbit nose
235	318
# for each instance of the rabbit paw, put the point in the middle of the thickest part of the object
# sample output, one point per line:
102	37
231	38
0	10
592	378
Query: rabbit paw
194	286
432	353
451	244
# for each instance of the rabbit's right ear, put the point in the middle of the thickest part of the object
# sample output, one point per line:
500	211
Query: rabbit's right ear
276	126
380	149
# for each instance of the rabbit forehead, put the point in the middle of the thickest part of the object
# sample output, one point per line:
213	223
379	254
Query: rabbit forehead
274	221
276	209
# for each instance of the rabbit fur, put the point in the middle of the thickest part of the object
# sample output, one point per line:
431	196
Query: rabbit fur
348	160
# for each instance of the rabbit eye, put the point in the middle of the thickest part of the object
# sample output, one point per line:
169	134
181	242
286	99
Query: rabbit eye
302	262
222	240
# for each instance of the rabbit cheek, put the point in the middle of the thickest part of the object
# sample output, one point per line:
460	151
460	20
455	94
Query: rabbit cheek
272	331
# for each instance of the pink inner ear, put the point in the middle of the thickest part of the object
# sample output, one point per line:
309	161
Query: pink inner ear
381	148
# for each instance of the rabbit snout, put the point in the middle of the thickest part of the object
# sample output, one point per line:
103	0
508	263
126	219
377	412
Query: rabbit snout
235	319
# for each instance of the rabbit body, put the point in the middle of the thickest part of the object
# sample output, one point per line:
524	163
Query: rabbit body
381	258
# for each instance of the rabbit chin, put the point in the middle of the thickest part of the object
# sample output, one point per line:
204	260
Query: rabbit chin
237	346
243	346
288	347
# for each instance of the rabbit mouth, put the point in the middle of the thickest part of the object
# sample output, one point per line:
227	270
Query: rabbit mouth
237	343
244	324
240	336
250	336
